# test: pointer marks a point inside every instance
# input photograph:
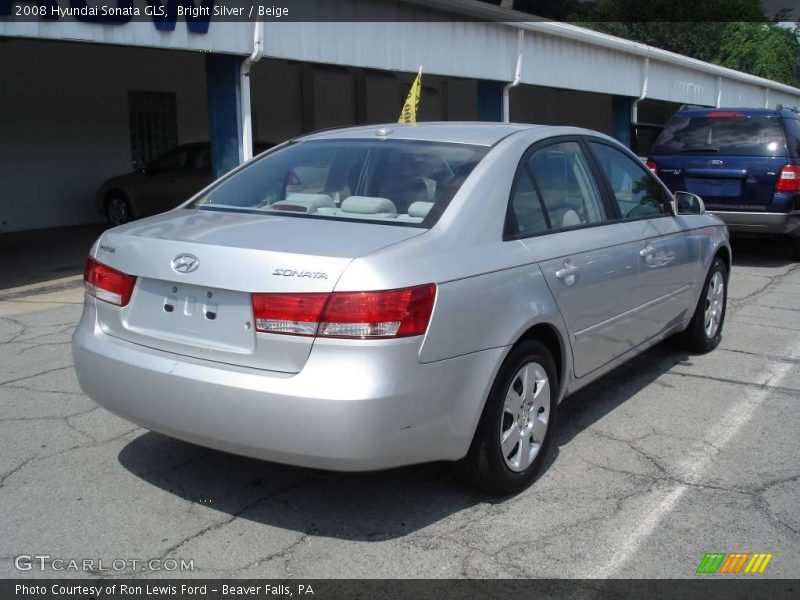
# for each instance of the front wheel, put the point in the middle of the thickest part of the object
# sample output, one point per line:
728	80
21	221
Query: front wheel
515	429
705	330
118	209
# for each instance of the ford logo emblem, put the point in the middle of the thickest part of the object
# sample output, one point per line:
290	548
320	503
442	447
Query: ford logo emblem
185	263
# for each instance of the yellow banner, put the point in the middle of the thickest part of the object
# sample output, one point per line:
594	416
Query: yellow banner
409	112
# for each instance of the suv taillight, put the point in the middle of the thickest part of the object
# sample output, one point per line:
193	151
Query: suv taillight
788	179
107	284
355	315
652	166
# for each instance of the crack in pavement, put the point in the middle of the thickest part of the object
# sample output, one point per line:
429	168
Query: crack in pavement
49	417
758	386
19	467
90	444
772	357
542	542
773	281
46	372
748	318
235	515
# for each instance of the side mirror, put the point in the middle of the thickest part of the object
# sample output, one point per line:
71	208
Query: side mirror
688	204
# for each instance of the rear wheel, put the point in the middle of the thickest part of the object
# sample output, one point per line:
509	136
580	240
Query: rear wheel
515	430
118	209
705	330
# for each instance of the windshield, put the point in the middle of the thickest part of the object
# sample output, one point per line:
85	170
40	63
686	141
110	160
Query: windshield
734	136
399	182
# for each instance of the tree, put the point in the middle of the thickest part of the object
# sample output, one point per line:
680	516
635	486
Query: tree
747	40
763	49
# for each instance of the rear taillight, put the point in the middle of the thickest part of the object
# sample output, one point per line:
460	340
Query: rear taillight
652	166
107	284
788	179
360	315
296	314
392	313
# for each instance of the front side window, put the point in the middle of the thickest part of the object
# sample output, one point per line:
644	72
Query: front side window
404	182
171	161
637	193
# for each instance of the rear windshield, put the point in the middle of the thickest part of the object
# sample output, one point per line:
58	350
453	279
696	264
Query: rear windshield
398	182
735	136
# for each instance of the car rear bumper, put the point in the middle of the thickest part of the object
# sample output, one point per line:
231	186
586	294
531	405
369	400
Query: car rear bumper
355	405
760	222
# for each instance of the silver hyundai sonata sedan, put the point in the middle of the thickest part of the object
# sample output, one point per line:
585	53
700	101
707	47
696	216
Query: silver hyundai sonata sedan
371	297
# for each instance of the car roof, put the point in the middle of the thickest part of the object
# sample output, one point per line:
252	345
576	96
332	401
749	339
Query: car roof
749	112
477	133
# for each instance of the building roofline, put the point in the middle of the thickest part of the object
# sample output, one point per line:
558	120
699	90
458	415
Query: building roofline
527	22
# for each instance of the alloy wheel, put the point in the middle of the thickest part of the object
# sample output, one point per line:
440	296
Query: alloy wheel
526	412
715	302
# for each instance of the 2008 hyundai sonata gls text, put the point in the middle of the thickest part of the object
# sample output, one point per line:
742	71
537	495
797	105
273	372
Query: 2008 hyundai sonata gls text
372	297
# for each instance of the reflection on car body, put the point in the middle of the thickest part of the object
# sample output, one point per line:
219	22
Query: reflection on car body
365	301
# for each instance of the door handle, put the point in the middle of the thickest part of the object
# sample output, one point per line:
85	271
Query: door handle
567	273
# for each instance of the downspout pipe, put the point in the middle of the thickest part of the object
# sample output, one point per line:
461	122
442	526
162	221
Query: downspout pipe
643	95
517	77
247	116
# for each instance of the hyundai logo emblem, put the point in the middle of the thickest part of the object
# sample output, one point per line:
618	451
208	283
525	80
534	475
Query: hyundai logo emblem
185	263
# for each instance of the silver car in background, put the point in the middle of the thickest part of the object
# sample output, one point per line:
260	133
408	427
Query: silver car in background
372	297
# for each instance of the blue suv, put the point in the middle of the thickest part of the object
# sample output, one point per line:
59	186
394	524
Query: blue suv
743	162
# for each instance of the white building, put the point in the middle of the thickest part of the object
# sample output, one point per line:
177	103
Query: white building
80	101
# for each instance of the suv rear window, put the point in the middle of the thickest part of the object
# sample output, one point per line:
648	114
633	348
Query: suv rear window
398	182
734	136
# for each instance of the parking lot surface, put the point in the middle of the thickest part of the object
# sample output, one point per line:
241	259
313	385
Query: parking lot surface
663	460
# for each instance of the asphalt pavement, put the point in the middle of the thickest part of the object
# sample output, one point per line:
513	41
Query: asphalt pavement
663	460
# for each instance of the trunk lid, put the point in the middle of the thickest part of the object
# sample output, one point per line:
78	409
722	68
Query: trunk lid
733	183
206	312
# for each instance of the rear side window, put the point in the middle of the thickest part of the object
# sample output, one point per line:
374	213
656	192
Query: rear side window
567	188
526	214
734	136
398	182
636	192
793	135
554	189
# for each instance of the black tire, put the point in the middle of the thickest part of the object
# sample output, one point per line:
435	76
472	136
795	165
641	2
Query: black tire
695	338
794	240
485	467
118	209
